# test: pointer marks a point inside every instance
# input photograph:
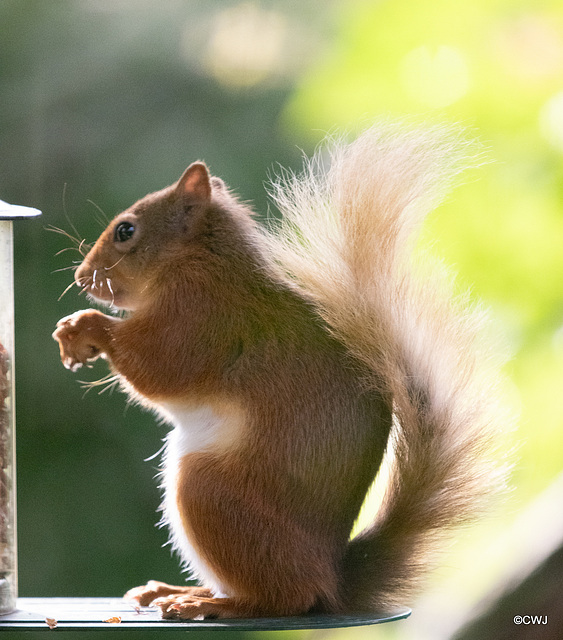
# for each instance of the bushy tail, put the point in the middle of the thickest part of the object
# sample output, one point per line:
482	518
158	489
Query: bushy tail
348	238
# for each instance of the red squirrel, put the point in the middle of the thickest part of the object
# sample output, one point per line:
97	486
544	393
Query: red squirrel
288	361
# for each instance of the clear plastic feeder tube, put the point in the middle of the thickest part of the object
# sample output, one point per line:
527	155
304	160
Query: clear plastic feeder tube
8	552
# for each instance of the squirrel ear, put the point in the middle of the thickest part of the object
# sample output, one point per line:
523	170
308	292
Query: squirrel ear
195	182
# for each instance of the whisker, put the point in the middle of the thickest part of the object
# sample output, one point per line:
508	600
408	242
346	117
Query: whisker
62	232
69	249
67	289
83	283
105	218
81	245
72	266
115	265
108	383
101	381
155	455
110	387
108	282
66	212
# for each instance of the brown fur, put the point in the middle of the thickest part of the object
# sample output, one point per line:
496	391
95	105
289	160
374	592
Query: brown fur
303	367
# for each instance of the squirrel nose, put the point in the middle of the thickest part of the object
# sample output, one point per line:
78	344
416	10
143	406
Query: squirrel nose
81	275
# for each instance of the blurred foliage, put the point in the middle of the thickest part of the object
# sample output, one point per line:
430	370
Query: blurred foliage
105	100
497	68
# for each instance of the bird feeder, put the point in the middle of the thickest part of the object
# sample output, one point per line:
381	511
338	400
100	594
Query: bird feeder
8	555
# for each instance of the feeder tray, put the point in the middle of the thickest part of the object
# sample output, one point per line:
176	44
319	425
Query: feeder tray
112	614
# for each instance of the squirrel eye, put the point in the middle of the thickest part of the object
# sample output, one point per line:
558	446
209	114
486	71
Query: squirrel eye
123	232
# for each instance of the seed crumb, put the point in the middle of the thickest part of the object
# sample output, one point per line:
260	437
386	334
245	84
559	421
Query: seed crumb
51	623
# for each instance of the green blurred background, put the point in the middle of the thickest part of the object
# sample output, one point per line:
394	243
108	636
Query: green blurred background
102	101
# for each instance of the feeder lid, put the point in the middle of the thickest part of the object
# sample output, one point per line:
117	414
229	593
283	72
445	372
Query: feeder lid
16	211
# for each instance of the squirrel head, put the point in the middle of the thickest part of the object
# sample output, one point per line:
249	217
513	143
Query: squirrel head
127	256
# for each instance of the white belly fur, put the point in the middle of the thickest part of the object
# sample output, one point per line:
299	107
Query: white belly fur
195	429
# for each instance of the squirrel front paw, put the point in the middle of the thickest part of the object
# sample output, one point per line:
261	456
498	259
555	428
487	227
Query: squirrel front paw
82	337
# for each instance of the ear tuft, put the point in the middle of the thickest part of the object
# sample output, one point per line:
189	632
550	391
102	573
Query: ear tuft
217	183
195	182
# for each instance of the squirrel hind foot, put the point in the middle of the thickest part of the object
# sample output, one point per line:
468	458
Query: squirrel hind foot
145	595
192	607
